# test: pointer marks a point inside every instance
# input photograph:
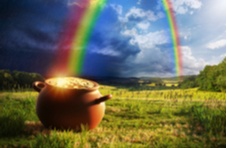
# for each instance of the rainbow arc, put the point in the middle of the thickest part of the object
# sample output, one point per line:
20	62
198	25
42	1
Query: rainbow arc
78	27
174	36
73	42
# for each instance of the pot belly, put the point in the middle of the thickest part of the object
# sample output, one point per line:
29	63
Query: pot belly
69	116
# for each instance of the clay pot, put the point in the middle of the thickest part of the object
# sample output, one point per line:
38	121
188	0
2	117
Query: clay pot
67	107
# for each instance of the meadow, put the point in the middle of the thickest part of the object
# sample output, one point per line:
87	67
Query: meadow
135	117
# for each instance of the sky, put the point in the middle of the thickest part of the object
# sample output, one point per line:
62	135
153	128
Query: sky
130	38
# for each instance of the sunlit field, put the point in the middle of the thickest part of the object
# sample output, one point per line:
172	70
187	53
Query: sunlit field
134	118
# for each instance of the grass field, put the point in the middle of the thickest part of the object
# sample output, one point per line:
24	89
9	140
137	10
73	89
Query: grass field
133	118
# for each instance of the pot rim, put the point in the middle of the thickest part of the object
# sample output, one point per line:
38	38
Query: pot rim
95	87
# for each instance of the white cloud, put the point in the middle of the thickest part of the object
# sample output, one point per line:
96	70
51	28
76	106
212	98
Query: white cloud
135	17
108	51
150	55
138	13
205	32
79	3
139	2
186	6
144	40
148	40
217	44
143	25
152	39
129	32
222	56
117	8
82	3
191	65
153	58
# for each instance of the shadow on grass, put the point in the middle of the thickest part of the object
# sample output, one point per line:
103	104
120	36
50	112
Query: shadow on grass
11	125
14	125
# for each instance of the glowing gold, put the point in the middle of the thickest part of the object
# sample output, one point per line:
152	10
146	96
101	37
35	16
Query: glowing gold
61	82
70	82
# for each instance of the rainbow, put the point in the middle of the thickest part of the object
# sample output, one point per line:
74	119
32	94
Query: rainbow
73	41
80	21
175	36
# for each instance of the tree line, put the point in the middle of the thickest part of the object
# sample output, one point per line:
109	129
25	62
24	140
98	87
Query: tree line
211	78
17	80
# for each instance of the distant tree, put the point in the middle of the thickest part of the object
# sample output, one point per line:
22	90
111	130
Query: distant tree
213	78
189	82
24	79
6	80
17	79
220	81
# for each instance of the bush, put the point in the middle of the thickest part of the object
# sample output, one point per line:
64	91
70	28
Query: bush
212	120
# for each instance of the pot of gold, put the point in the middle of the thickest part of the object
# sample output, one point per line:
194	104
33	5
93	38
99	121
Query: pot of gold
69	103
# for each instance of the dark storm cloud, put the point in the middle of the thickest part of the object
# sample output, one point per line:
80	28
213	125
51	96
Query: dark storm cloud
29	30
109	58
30	24
159	63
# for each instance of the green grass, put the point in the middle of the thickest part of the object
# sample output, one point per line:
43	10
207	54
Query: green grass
133	118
